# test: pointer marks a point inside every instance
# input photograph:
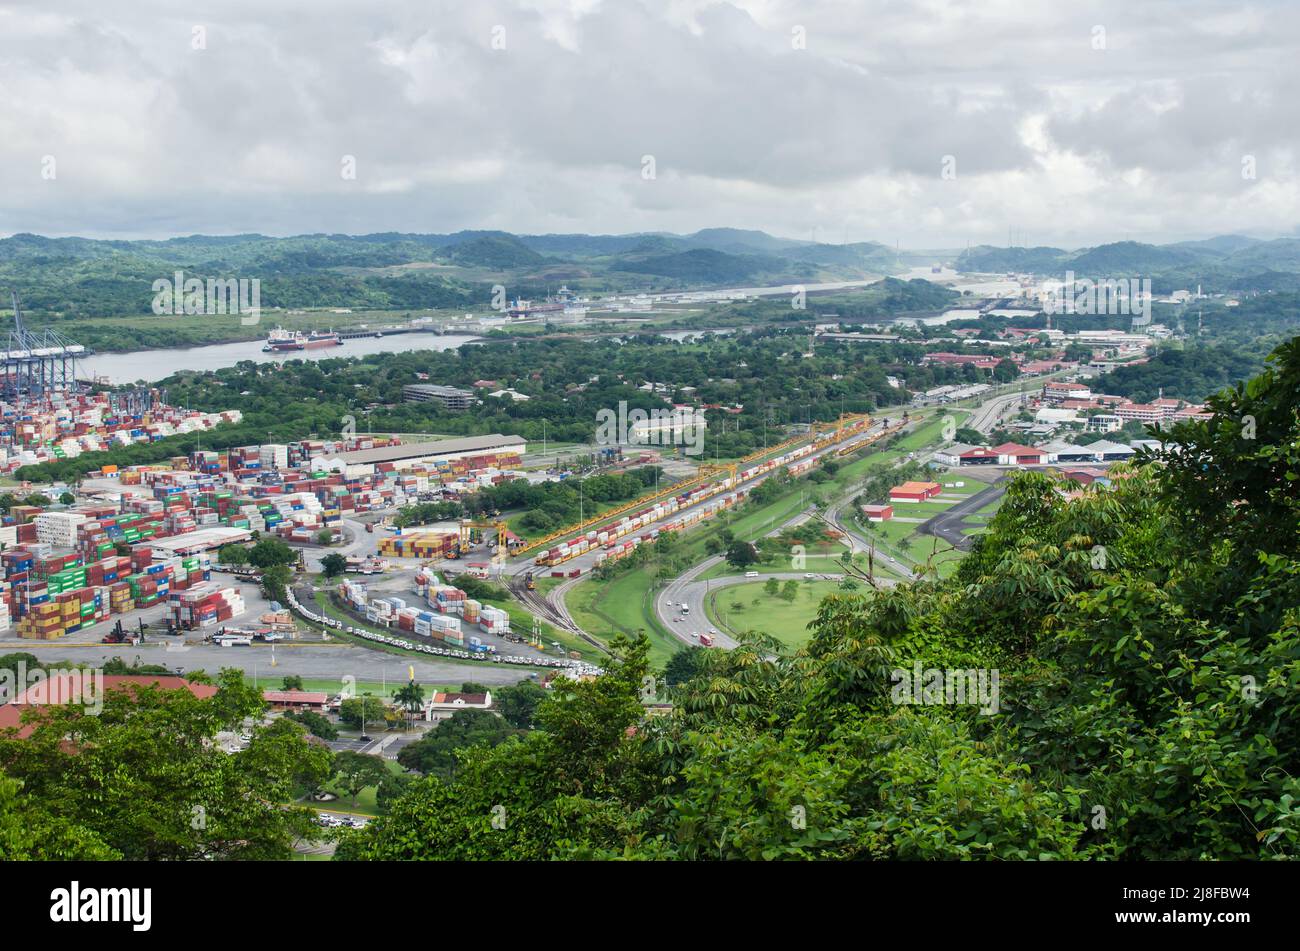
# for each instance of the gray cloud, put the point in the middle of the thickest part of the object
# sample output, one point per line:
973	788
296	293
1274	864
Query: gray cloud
1069	143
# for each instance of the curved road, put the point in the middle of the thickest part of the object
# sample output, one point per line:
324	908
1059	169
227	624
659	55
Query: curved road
692	595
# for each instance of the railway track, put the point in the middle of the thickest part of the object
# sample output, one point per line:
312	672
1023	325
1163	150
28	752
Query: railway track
550	607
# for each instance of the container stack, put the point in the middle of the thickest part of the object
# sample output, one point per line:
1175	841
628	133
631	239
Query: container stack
427	545
494	620
205	606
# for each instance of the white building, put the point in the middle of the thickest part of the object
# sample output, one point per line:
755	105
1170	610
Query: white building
1104	423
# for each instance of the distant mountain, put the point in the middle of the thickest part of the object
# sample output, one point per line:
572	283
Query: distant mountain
704	266
587	245
738	241
1129	258
1223	264
1223	244
498	252
866	256
1282	254
987	259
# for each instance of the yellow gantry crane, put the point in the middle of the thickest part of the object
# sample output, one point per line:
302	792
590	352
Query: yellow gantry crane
710	469
846	421
469	526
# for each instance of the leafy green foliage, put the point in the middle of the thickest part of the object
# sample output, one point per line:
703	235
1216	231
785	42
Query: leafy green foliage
143	779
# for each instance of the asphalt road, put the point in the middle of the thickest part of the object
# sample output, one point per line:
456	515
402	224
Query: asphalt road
693	593
331	661
948	525
987	416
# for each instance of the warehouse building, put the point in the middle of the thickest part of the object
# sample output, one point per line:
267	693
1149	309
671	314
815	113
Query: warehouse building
361	461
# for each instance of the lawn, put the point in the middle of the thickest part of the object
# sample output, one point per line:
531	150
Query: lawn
787	621
365	804
822	564
929	433
376	688
605	608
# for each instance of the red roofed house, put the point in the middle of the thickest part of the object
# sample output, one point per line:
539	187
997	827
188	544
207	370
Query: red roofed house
73	685
878	513
960	454
1039	367
442	705
978	360
914	491
1014	454
296	700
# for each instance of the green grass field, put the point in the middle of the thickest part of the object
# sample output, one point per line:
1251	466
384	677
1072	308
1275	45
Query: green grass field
928	433
365	804
605	608
376	688
787	621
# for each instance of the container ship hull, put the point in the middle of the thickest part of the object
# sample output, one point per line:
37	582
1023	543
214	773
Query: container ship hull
282	342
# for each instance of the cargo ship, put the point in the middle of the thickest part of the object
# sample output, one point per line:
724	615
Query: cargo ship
280	340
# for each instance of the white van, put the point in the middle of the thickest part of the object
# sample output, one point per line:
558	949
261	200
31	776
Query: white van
751	574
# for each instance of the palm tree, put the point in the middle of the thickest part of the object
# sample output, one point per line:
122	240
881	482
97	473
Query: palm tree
411	699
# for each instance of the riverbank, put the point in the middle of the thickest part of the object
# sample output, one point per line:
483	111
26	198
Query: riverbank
152	365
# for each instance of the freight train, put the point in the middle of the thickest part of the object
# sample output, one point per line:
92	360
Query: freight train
613	541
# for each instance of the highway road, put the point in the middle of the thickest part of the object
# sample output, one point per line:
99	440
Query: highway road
687	592
311	661
835	514
987	416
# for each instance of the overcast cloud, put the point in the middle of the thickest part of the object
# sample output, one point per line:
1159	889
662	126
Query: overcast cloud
844	139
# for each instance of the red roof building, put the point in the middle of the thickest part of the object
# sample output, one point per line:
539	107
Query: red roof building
978	360
914	491
61	687
1014	454
295	699
878	513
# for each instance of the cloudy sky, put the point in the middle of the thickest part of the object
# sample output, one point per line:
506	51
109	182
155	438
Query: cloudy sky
928	123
